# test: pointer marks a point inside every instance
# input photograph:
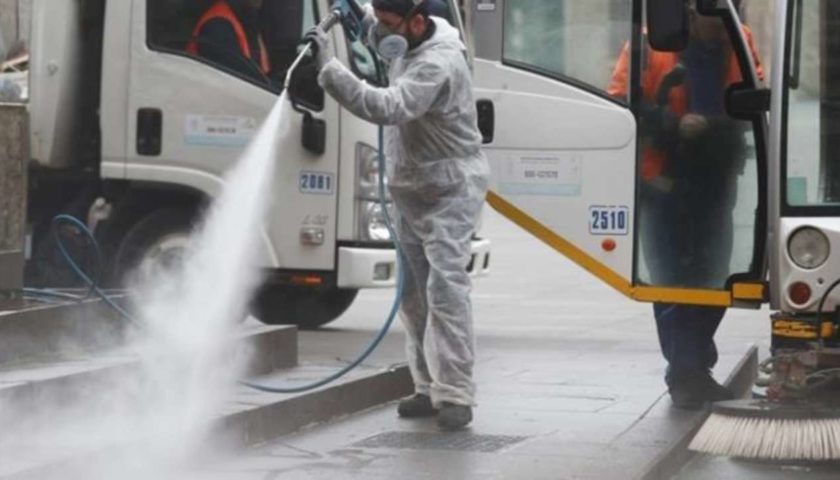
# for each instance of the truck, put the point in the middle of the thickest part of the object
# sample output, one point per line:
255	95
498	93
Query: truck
571	127
132	133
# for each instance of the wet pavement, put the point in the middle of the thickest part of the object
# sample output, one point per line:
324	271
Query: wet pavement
569	376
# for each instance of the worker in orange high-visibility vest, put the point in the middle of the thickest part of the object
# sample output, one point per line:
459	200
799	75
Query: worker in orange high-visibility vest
228	34
692	153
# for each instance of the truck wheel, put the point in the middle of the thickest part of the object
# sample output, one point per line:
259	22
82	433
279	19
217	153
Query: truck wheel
305	307
154	245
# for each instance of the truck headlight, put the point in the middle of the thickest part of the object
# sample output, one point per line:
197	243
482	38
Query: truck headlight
370	215
809	248
367	173
374	224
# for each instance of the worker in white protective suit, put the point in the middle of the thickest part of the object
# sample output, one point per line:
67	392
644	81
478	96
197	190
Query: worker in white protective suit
438	178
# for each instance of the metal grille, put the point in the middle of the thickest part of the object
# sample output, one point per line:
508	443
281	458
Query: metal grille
459	441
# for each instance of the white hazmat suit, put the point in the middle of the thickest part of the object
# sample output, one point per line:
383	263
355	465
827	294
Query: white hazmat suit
438	179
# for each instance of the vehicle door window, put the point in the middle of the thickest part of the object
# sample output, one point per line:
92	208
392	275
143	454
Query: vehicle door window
571	40
698	169
813	111
253	39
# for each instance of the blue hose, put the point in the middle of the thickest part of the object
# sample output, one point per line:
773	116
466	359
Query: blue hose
91	283
93	287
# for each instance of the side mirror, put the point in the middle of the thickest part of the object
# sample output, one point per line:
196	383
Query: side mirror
304	89
307	96
667	22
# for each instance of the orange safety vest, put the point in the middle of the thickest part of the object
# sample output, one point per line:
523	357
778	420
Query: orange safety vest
221	9
659	64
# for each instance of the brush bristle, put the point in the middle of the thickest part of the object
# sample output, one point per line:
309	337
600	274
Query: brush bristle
769	439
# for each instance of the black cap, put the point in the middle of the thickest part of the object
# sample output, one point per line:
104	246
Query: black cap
402	7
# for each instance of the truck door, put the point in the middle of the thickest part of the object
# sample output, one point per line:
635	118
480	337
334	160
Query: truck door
195	102
625	159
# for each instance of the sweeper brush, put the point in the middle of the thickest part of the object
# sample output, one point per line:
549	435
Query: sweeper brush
798	417
767	430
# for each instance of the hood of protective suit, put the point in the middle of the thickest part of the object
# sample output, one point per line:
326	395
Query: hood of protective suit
446	36
428	108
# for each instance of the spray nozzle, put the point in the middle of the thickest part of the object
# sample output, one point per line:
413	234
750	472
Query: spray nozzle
347	12
352	17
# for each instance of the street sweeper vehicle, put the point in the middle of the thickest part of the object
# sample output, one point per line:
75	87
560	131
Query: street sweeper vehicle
132	128
611	142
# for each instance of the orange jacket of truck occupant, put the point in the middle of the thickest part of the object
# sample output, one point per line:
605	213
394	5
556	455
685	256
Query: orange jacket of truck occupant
659	64
222	10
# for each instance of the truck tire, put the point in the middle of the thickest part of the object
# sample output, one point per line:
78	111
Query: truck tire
157	242
305	307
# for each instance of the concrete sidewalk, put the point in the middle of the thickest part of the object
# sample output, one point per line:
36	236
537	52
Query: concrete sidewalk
569	376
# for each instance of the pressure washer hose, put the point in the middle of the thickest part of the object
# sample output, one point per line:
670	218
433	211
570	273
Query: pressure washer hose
91	283
94	288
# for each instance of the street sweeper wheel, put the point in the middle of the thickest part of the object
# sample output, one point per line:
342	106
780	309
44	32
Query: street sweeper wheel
307	308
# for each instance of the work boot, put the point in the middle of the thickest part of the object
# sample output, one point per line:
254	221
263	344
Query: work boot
692	390
417	406
454	417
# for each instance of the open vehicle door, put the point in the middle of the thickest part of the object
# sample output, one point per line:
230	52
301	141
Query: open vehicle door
607	150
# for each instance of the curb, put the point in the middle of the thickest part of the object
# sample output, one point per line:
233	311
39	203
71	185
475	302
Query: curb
274	420
71	327
677	454
273	348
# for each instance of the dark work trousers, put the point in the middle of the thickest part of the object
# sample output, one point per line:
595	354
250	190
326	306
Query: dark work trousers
686	336
687	237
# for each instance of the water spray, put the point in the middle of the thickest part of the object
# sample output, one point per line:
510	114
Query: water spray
351	16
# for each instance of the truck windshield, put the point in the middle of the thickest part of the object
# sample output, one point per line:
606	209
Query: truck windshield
812	168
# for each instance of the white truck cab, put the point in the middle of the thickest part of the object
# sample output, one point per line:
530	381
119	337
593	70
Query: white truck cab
121	111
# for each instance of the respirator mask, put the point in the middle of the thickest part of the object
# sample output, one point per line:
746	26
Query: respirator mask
389	43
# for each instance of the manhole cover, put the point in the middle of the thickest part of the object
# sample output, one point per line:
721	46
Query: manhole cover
460	441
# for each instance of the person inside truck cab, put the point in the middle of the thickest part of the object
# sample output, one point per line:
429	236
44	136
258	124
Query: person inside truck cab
281	24
229	34
692	155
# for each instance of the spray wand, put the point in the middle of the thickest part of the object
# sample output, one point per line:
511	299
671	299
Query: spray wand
347	12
